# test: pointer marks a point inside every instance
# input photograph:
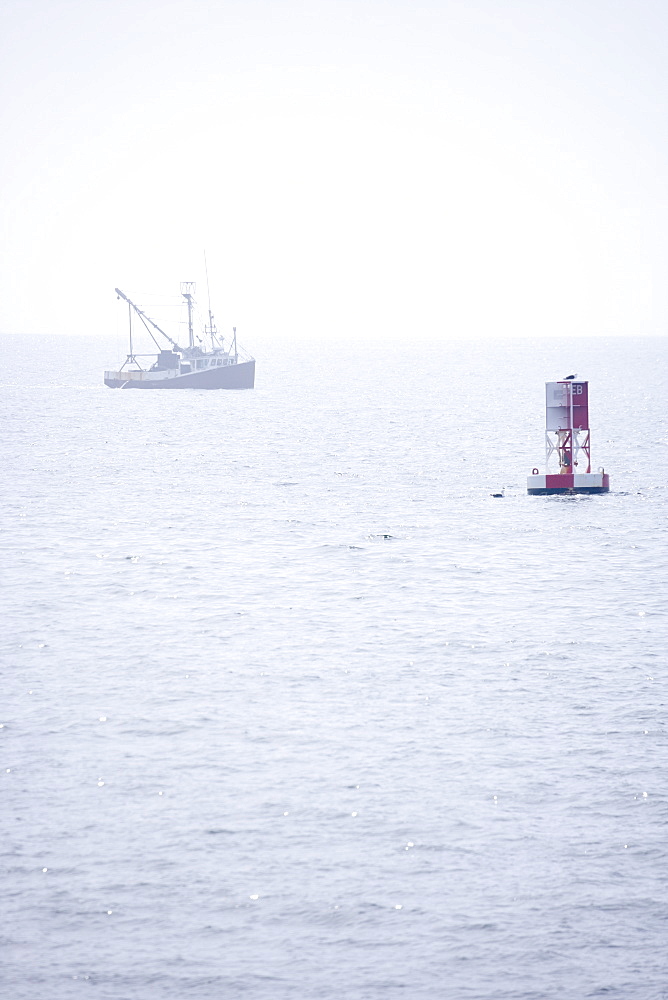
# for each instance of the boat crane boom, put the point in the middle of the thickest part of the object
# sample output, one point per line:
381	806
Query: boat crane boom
147	318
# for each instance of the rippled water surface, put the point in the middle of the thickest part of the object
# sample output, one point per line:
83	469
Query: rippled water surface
293	708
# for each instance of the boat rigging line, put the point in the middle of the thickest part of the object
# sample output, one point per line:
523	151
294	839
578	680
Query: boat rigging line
144	318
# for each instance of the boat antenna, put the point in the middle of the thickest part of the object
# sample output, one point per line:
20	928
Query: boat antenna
213	333
208	290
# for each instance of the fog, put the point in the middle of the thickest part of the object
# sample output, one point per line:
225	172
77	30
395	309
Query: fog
376	170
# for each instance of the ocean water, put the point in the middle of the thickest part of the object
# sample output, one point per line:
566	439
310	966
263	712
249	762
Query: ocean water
292	707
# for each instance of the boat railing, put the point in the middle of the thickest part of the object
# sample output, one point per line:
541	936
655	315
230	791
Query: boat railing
125	375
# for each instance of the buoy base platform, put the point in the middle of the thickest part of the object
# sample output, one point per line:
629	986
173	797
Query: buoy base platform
568	483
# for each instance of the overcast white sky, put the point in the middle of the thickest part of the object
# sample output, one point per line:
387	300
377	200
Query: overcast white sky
444	168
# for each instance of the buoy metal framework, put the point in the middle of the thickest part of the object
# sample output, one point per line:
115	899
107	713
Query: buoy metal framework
567	444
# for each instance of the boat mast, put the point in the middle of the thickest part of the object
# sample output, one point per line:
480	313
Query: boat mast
131	356
187	291
130	359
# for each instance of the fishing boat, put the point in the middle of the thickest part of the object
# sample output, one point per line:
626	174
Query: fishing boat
206	363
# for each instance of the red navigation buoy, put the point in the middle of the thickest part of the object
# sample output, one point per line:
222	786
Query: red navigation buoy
567	442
